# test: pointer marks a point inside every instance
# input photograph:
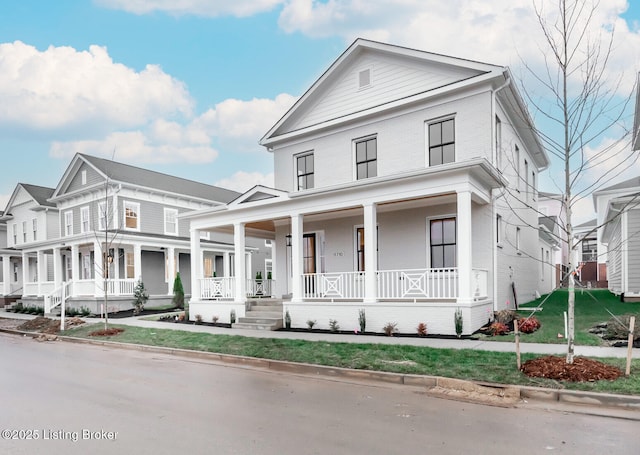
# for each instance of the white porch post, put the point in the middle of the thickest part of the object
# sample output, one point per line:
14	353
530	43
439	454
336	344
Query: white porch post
75	267
196	265
137	261
226	264
98	264
25	273
6	274
297	265
170	254
464	245
240	263
57	267
42	270
370	253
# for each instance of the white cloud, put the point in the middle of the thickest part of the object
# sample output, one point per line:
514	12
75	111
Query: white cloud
233	124
239	124
242	181
207	8
62	89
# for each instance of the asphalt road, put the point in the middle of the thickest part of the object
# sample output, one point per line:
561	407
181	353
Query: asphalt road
63	398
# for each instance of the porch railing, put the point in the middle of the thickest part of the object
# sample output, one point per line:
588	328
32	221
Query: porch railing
217	288
121	287
418	283
338	285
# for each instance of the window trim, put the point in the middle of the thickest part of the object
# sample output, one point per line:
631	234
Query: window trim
518	239
34	227
354	145
499	230
356	246
15	233
297	175
103	216
83	176
131	204
516	153
68	226
429	219
166	211
428	124
498	142
85	210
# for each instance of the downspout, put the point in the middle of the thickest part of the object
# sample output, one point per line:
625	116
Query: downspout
495	193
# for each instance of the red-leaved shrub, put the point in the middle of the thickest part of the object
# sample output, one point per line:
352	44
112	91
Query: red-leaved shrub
528	325
498	328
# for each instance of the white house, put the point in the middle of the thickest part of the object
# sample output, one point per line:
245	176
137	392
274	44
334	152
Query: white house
405	186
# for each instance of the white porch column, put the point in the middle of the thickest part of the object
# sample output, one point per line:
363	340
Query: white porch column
75	268
297	264
25	273
57	267
170	254
6	274
240	263
464	246
370	253
98	264
42	270
226	264
137	262
196	264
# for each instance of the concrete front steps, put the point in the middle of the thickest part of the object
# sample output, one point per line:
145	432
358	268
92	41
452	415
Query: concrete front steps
263	314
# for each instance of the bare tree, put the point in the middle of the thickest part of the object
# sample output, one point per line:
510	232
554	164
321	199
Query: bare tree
581	102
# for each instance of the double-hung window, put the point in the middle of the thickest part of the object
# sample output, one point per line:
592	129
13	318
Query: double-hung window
68	223
102	216
85	224
132	215
24	231
305	171
443	243
366	158
34	226
171	221
441	142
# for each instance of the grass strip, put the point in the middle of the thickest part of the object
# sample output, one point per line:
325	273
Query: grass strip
497	367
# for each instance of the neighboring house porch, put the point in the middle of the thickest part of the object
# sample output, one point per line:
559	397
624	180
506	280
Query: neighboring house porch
10	276
427	262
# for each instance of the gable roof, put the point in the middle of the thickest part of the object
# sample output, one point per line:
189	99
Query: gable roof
633	182
136	176
469	72
39	194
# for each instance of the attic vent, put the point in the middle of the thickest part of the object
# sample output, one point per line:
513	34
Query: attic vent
364	78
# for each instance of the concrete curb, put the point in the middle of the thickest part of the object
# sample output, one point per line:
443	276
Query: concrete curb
510	393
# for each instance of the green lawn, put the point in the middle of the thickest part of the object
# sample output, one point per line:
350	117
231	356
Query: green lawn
591	308
464	364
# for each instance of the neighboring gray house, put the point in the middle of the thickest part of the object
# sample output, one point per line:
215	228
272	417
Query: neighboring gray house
109	223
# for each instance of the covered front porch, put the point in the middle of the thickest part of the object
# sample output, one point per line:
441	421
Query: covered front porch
426	262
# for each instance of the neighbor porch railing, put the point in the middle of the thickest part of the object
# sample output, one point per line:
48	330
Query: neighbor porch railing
121	287
217	288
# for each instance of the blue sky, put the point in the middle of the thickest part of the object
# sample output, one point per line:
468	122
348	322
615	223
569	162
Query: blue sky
191	91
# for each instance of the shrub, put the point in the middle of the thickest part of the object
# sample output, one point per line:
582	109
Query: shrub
528	325
362	319
18	307
232	316
422	329
178	292
311	323
287	319
140	297
498	328
181	317
390	328
198	319
215	319
458	322
333	325
85	311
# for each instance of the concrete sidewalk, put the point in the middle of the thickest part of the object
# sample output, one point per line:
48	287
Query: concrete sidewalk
480	345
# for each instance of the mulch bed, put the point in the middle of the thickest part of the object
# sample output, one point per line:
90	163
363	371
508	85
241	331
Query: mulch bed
47	325
129	313
582	369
